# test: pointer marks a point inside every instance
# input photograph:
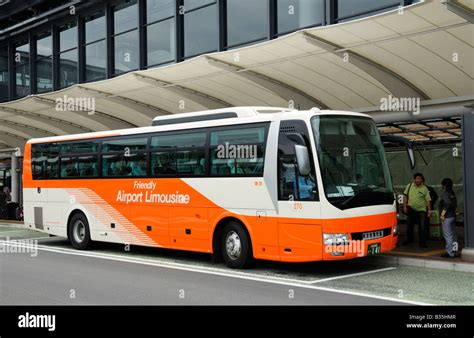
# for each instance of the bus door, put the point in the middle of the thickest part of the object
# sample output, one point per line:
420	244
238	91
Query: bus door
299	208
36	197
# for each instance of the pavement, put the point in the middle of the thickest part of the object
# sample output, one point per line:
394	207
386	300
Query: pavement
48	271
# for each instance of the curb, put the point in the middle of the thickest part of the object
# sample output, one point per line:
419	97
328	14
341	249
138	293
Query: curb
17	225
427	263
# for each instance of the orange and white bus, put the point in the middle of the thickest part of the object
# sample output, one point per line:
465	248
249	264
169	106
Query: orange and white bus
241	183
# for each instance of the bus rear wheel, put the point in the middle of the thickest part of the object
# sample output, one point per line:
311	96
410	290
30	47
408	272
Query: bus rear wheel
236	246
79	232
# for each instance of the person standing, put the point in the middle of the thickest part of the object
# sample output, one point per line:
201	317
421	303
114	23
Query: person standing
447	212
6	190
417	207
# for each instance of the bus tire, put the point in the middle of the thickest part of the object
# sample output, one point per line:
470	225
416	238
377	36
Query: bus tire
79	232
236	246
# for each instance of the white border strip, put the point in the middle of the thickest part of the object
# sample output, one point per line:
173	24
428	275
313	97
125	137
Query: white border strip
353	275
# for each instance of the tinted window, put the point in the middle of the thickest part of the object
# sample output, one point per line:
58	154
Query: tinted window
182	162
182	140
128	144
44	161
248	160
238	151
238	136
79	147
79	166
38	162
122	165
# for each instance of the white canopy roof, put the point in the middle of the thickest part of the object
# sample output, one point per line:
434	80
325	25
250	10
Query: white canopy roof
424	51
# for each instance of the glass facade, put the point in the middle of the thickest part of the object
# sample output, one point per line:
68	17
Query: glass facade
160	32
246	21
4	74
125	16
21	68
126	52
95	47
161	42
115	37
68	68
68	56
126	37
95	27
350	8
96	61
44	62
158	10
200	28
296	14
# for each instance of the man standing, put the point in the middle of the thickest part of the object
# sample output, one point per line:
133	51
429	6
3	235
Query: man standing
416	201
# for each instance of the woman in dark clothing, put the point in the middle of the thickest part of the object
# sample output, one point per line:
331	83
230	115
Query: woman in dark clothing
447	211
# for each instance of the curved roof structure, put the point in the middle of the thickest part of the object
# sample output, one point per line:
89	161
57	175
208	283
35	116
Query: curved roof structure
424	51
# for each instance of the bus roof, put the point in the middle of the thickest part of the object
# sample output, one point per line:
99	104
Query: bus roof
203	119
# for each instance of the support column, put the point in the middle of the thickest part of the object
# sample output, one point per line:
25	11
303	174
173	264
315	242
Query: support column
15	177
467	253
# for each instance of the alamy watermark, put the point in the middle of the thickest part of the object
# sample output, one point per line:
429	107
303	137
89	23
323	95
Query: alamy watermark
21	246
28	320
236	151
351	247
401	104
66	103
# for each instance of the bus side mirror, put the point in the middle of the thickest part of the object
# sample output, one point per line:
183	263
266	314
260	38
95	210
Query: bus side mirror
411	155
302	159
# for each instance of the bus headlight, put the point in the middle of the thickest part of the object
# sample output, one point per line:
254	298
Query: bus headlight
395	230
335	239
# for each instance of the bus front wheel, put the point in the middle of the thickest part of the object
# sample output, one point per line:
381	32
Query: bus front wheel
236	246
79	232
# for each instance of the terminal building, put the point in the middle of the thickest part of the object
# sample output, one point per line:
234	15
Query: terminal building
75	66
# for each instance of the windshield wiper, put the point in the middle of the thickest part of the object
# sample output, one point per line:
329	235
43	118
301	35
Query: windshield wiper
357	193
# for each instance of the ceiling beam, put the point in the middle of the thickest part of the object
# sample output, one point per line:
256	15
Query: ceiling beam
106	120
287	92
147	110
203	99
396	84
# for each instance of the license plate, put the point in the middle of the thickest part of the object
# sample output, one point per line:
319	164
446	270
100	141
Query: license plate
373	249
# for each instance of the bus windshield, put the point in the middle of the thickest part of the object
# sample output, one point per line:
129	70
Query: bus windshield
352	161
